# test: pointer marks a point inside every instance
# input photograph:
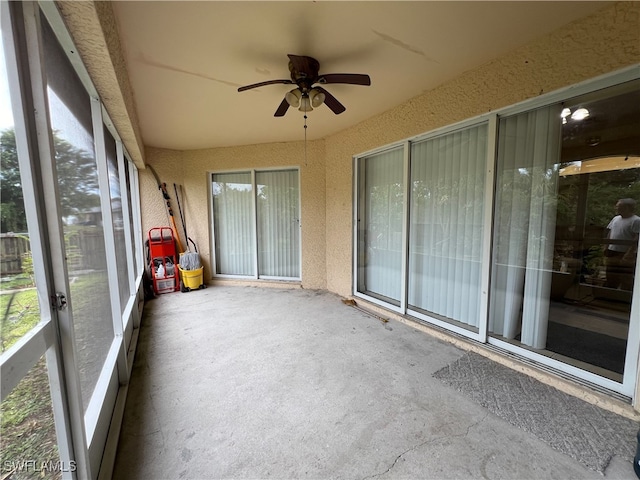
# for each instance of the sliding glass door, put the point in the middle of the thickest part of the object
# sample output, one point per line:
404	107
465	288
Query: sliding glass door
256	223
566	231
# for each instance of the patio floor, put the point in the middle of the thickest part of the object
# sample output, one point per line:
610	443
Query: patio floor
250	383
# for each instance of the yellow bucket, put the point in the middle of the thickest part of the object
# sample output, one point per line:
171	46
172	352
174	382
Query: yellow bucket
191	279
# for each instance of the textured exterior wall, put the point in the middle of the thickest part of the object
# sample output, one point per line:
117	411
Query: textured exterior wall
93	28
190	169
595	45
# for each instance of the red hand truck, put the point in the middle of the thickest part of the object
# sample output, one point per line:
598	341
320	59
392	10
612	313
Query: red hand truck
163	260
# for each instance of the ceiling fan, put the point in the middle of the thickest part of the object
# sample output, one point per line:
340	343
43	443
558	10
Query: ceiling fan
308	94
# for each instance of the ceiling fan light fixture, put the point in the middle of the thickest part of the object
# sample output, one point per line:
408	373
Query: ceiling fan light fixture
293	97
317	97
305	104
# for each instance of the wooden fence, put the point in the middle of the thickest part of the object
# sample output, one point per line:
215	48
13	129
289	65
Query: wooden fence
85	250
12	248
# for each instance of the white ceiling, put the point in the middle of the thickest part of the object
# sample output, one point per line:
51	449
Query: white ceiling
186	60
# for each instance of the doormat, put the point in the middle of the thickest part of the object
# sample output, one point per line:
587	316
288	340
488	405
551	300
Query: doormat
572	426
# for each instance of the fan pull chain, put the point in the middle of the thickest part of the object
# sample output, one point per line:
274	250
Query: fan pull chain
305	139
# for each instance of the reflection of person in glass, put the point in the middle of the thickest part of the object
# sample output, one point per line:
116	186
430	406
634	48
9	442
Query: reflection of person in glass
624	230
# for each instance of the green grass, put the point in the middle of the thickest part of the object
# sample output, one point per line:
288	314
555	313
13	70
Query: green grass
20	313
16	281
27	431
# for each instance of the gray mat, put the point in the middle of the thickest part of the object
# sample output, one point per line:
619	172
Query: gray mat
583	431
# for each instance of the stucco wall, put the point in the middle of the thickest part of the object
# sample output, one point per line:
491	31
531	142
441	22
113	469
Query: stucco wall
189	168
595	45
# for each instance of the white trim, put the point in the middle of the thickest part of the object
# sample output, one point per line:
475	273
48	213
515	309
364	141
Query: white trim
113	437
444	324
487	238
299	220
254	216
137	220
355	201
280	279
212	230
16	362
96	404
125	195
406	192
381	303
633	336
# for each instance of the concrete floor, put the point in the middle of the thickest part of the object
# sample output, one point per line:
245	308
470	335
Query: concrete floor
250	383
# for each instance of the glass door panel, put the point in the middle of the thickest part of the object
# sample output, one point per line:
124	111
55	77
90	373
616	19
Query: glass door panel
380	218
277	215
597	227
445	239
234	227
566	229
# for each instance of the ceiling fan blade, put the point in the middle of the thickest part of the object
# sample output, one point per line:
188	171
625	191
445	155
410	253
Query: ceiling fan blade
350	78
282	109
331	102
305	65
262	84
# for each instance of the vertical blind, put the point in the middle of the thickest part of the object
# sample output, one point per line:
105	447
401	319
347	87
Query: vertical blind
446	224
525	218
233	223
278	223
381	208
